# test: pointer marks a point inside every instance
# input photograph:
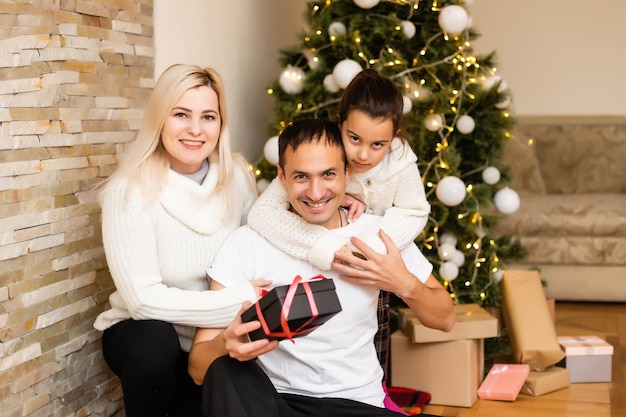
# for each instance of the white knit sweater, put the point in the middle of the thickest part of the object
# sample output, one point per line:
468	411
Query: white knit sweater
393	189
158	254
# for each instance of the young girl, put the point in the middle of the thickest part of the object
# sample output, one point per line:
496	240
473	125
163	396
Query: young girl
384	177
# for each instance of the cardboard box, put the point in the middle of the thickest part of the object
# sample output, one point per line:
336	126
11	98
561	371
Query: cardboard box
503	382
285	313
542	382
472	322
588	358
450	371
526	315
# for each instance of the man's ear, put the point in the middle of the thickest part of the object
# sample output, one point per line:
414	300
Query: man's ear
348	174
280	174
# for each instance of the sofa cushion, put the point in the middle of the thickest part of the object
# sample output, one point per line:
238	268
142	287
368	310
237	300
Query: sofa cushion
580	158
598	215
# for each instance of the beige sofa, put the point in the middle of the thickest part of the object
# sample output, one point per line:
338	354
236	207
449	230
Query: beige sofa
572	216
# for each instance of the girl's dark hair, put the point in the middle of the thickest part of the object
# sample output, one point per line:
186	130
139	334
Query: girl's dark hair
375	95
307	131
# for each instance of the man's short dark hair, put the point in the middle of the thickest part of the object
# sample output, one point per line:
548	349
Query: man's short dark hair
307	131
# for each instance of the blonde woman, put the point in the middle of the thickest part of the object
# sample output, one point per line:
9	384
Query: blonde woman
176	196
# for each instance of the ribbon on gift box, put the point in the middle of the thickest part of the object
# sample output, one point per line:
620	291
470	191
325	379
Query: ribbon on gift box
284	312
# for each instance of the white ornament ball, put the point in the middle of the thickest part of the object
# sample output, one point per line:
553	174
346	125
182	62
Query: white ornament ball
448	238
366	4
292	80
465	124
449	271
497	276
408	28
491	175
433	122
493	80
407	104
503	104
313	60
337	29
506	200
453	19
445	251
451	191
261	185
458	258
330	84
345	71
270	150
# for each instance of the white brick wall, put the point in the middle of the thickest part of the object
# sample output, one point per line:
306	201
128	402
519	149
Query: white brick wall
65	69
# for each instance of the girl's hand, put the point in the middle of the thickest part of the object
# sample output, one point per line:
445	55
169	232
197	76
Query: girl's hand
355	207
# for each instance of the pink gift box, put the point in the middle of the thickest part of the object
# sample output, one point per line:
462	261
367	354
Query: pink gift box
503	382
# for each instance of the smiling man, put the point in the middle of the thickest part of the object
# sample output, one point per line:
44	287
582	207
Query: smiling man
334	370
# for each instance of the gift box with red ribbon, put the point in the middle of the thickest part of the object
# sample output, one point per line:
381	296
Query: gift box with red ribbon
294	310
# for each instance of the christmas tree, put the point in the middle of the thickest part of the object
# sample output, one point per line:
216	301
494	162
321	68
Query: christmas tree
457	111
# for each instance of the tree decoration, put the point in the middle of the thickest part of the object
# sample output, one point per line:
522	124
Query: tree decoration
491	175
449	271
330	84
345	71
270	150
337	29
292	80
408	28
434	122
366	4
453	19
506	200
465	124
451	191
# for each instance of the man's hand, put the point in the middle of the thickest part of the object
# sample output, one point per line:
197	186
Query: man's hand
236	339
385	271
355	207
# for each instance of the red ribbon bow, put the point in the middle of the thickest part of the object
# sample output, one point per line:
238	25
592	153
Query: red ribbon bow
284	312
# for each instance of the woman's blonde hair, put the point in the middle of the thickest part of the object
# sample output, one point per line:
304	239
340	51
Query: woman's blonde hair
145	163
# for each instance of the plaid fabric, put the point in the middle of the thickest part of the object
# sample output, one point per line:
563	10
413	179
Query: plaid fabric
382	340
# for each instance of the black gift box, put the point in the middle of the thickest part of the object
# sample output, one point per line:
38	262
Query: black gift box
300	318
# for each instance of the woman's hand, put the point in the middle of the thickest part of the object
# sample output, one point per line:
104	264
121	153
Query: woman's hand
260	286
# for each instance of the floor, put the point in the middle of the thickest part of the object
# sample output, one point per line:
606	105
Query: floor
607	320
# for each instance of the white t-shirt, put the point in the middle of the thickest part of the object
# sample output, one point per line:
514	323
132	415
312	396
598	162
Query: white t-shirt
338	359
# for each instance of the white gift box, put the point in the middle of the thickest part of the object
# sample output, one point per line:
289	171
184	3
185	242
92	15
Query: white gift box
587	358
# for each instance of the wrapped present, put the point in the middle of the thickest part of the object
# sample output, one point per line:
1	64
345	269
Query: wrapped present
503	382
542	382
587	358
472	322
531	328
450	371
294	310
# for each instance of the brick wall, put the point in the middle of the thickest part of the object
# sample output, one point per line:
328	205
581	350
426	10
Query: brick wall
74	77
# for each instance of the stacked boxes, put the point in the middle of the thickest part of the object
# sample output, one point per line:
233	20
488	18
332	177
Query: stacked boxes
531	331
449	365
